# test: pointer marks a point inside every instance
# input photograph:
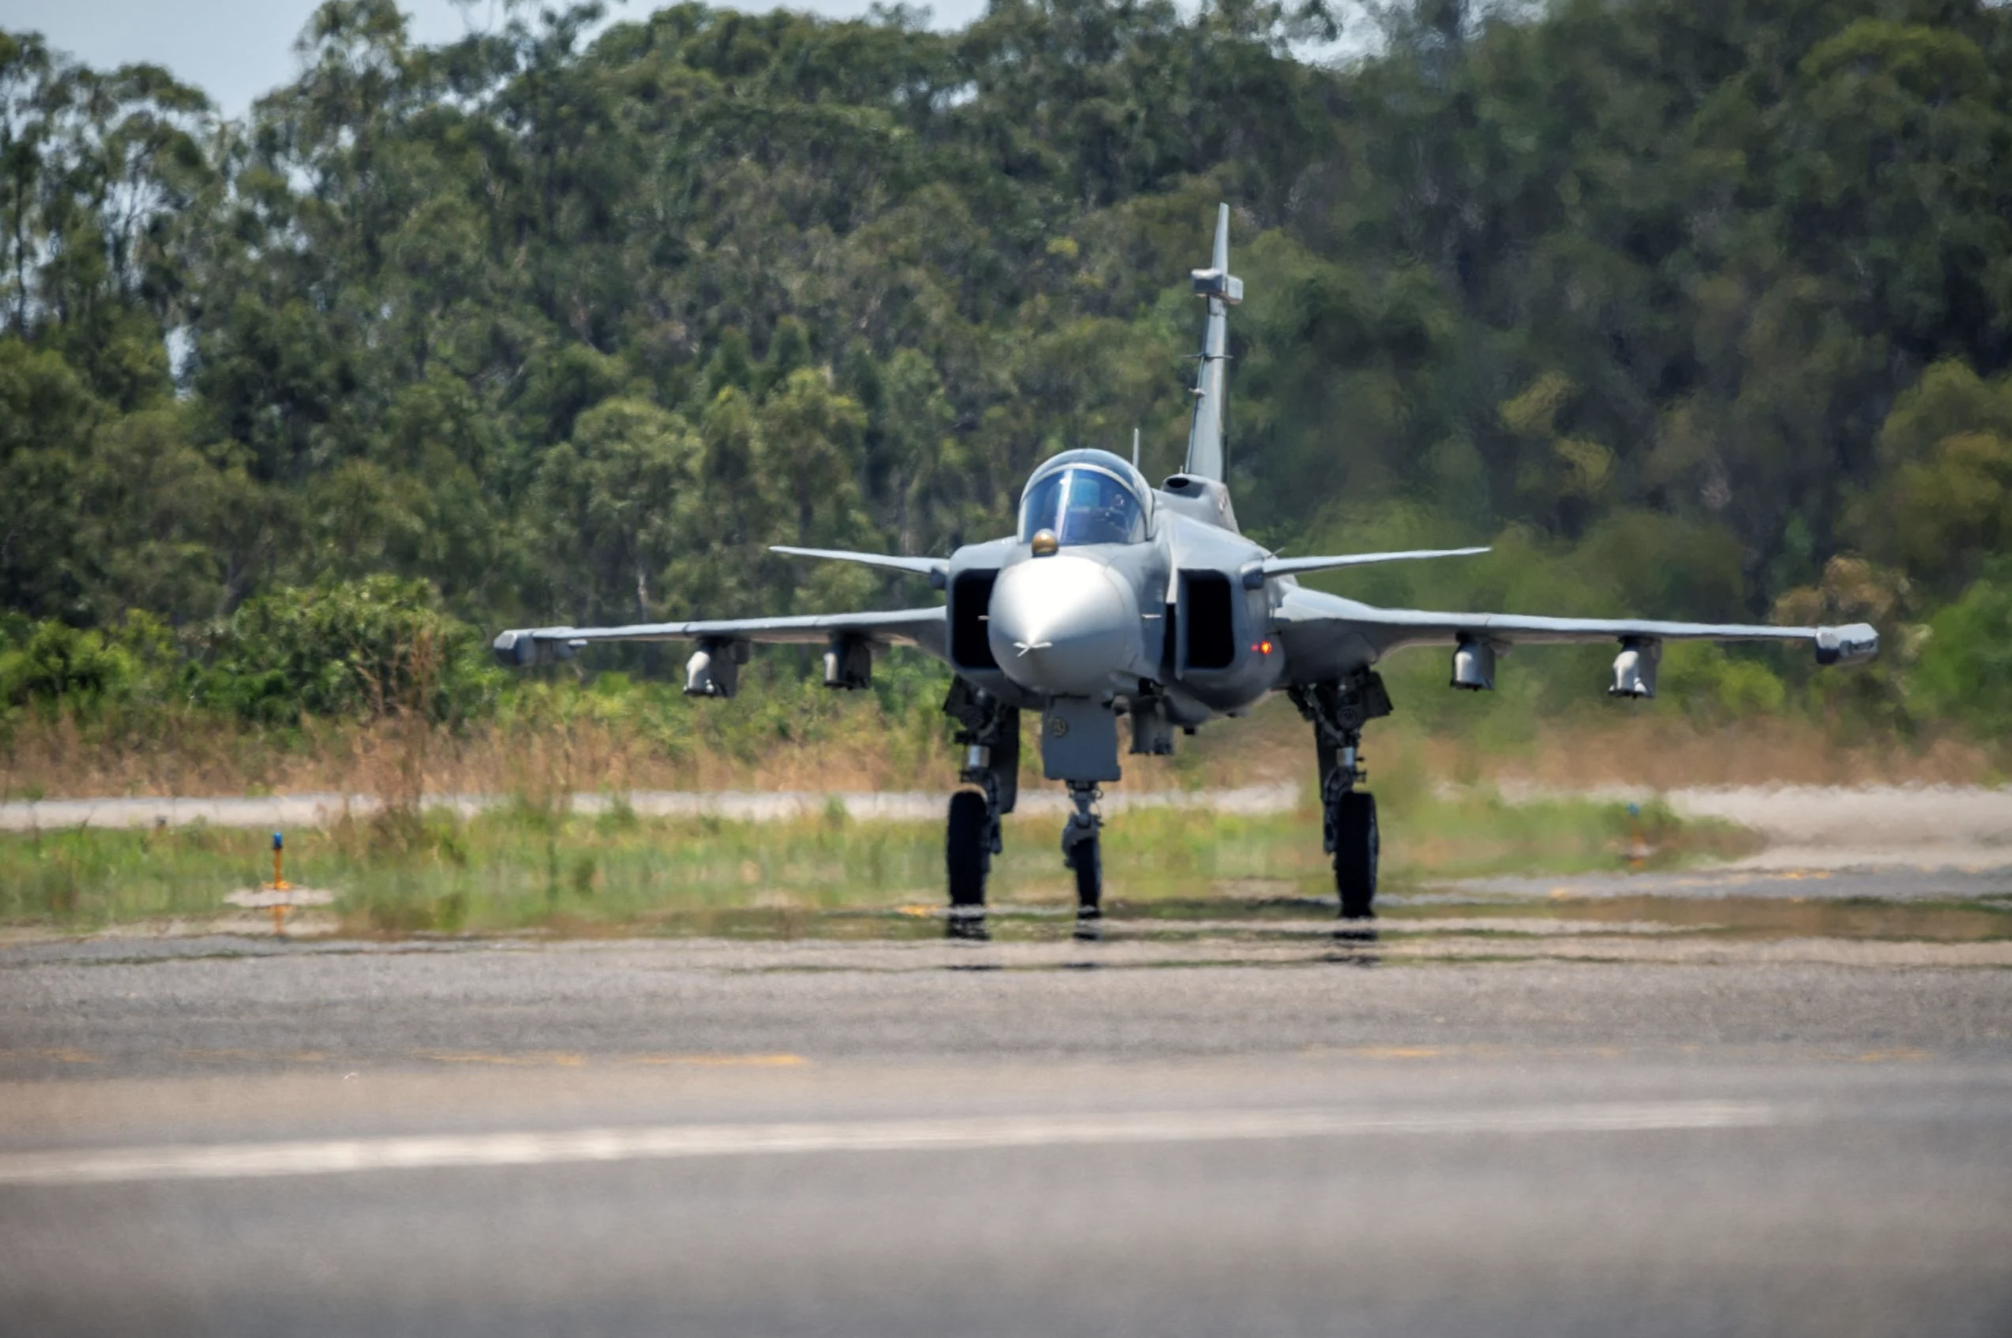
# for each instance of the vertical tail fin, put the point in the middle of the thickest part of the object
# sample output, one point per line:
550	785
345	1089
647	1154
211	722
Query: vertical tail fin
1223	291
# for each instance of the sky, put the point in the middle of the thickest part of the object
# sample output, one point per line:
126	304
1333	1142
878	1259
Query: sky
235	50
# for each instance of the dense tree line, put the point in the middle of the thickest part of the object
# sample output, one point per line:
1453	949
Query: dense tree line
571	329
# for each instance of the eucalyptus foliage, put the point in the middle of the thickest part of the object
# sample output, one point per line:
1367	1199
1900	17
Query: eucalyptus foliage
570	322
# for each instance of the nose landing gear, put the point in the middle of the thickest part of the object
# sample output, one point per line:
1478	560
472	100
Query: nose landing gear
1083	852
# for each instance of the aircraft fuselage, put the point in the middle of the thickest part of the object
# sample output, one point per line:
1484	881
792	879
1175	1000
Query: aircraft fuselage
1166	622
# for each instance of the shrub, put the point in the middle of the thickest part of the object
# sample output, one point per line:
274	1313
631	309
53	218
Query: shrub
350	648
1965	670
1715	686
55	662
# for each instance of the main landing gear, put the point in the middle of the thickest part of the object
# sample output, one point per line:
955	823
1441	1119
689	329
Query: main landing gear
1338	709
989	733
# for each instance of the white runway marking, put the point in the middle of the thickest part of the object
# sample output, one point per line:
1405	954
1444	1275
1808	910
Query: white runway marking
229	1161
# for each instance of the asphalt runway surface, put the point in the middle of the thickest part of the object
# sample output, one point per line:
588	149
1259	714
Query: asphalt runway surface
1714	1105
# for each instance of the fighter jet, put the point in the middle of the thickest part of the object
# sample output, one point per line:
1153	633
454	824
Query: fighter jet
1116	599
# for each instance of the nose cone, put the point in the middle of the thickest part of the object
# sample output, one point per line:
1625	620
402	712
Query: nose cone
1061	625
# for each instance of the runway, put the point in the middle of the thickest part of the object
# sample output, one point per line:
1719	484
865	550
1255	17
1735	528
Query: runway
1672	1111
1457	1195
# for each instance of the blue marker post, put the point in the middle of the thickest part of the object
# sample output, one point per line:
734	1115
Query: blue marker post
279	894
1638	844
278	884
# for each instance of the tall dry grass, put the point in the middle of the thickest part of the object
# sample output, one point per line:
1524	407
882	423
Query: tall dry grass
401	757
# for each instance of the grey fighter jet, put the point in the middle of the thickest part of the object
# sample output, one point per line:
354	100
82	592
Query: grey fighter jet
1118	599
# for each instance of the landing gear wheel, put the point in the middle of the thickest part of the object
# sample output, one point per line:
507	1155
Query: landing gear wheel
1086	857
1357	846
967	853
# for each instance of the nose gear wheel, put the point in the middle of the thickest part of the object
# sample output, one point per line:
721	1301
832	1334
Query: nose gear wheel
1083	852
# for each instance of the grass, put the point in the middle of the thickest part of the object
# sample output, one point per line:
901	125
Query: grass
541	868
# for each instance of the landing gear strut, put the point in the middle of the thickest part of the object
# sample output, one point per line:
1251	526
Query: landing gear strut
989	733
1338	709
1082	851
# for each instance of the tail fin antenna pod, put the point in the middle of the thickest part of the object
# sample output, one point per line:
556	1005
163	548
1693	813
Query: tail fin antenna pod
1223	291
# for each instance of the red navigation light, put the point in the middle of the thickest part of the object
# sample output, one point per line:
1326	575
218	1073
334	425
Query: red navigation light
1262	648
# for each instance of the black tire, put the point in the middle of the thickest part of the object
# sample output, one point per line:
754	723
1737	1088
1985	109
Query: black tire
1357	847
1087	858
967	852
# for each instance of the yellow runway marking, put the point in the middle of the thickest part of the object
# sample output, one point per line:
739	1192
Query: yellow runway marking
59	1056
559	1059
527	1059
749	1061
530	1060
222	1054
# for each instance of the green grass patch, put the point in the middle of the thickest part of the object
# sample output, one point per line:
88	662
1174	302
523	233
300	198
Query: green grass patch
530	868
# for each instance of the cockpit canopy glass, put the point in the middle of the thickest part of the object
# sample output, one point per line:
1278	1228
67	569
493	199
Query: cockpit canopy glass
1083	504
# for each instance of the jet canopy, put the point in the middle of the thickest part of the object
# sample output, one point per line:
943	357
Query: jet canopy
1085	497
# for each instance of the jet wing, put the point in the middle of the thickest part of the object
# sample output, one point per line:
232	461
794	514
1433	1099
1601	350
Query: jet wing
908	627
1327	635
